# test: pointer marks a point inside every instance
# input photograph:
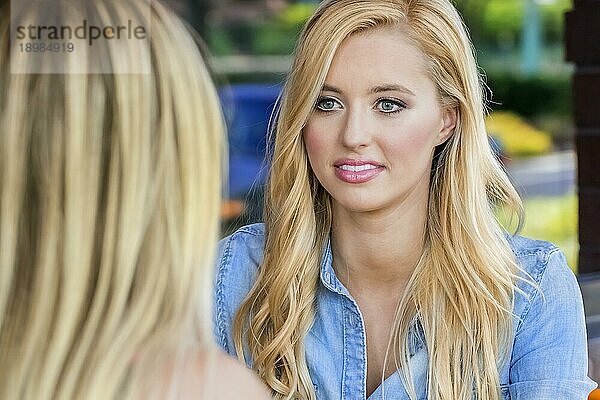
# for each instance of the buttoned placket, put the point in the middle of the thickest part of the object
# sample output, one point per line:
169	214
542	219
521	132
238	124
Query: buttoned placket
354	376
355	362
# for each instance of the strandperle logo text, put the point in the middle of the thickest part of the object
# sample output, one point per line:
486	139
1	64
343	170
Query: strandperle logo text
84	31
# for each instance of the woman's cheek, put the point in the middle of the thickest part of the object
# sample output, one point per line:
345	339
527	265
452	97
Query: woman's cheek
315	141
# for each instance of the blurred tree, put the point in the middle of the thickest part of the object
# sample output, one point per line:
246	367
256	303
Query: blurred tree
473	12
278	35
503	21
500	22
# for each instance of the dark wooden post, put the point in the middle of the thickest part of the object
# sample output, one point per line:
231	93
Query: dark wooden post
583	49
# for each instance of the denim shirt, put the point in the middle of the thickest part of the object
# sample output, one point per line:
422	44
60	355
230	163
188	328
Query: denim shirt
548	359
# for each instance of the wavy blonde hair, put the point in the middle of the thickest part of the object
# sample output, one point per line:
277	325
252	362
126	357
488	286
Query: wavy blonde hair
109	204
462	290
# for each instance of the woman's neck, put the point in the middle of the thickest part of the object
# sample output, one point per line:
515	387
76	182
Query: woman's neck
377	252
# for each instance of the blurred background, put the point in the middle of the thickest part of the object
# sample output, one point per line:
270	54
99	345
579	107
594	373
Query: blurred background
520	46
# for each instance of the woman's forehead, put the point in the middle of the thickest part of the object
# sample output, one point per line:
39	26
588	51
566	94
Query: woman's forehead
378	57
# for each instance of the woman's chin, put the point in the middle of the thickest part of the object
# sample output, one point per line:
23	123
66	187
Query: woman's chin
357	205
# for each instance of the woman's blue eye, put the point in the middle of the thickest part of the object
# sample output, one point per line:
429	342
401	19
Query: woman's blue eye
328	104
389	106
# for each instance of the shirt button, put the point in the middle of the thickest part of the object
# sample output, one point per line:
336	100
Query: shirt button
328	277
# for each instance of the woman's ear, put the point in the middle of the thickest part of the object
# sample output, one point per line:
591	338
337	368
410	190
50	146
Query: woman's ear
449	119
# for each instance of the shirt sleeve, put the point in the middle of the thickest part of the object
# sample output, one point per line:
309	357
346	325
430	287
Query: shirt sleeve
549	357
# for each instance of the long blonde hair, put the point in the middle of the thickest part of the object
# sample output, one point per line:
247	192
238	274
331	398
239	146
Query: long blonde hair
462	290
109	203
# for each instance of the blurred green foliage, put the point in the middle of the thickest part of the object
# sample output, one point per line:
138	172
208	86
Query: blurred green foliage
491	22
297	13
278	35
553	219
274	35
530	96
501	21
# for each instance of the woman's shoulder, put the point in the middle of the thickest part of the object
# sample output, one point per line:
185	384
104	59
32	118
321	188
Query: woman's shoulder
537	258
549	352
209	374
546	277
249	236
523	246
239	256
247	385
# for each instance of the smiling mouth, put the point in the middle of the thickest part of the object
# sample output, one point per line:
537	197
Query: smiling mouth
357	173
357	168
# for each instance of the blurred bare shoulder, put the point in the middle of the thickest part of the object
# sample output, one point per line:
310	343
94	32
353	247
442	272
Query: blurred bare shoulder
216	375
209	374
233	380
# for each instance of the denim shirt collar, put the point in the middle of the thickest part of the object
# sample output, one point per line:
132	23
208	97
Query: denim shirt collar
328	276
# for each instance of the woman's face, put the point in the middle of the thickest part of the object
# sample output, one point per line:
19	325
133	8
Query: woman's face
371	137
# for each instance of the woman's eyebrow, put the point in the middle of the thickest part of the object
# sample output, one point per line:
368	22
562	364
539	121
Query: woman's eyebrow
329	88
391	88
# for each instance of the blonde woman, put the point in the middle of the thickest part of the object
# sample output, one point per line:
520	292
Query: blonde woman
381	270
109	202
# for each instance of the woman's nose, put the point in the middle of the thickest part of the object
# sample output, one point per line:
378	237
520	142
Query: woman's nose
356	132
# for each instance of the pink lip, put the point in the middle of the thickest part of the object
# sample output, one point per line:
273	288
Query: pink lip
355	163
357	176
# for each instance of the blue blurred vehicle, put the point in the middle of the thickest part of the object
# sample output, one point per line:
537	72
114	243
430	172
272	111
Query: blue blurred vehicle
248	109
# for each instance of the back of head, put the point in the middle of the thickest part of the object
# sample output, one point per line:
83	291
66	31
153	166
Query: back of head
109	197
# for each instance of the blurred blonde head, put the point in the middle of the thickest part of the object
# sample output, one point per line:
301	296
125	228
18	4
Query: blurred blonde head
109	203
462	289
